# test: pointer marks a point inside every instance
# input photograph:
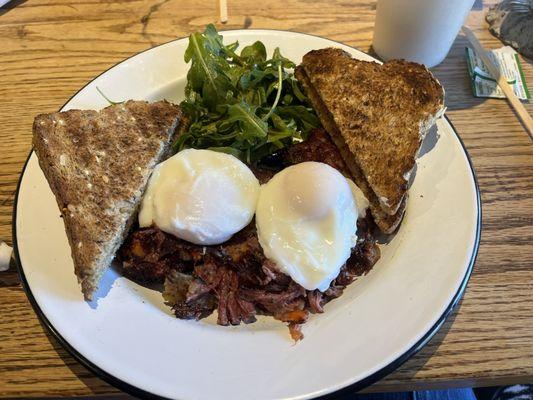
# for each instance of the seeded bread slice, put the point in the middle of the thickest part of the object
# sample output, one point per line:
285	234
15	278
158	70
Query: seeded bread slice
98	164
377	115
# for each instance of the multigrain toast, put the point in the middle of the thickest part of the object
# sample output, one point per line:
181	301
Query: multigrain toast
377	116
98	164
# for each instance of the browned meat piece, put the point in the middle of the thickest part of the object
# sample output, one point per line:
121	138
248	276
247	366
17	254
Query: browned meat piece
263	175
231	308
366	253
243	247
318	147
361	261
345	277
295	317
224	284
196	289
188	297
176	287
277	303
149	254
315	300
266	296
295	330
333	292
369	253
209	273
235	278
245	255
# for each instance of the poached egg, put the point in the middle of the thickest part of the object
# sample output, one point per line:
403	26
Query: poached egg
201	196
306	220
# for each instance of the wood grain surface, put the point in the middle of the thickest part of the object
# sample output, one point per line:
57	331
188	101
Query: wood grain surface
49	49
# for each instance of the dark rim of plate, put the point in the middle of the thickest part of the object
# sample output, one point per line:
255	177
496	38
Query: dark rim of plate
354	387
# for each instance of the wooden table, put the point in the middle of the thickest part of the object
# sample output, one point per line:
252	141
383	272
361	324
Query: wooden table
49	49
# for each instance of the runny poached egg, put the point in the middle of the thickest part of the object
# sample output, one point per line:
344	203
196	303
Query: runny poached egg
201	196
306	221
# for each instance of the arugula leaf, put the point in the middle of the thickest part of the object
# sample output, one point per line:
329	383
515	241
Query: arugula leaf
111	102
228	150
278	93
242	104
255	53
278	58
249	123
305	117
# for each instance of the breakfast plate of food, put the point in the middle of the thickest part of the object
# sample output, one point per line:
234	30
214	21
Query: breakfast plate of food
247	214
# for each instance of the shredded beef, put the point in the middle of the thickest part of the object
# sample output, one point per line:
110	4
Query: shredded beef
148	255
224	284
188	297
315	300
235	278
335	290
318	147
295	316
277	303
295	330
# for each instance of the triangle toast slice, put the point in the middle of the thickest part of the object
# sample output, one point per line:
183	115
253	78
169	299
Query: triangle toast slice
377	115
97	164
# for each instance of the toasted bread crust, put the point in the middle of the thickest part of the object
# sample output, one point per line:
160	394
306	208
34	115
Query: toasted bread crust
388	223
377	114
97	164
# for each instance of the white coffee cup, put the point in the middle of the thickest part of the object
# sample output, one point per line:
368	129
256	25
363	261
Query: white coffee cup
418	30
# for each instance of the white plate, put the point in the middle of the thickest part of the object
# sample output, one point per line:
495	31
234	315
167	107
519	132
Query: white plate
130	338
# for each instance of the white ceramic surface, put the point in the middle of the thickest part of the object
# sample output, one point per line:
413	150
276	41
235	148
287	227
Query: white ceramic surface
130	335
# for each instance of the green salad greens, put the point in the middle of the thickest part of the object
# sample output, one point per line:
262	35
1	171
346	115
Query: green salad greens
243	104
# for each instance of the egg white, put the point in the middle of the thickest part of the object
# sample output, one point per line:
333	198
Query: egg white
306	220
201	196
